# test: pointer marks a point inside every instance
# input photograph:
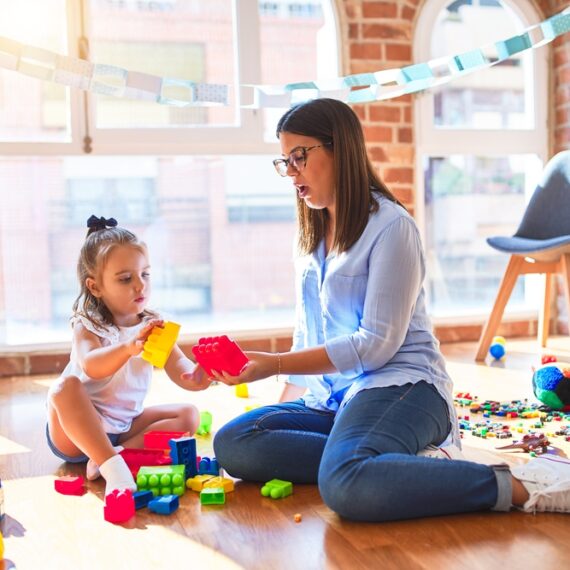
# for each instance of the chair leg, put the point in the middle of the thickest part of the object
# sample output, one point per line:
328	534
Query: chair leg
544	316
512	272
565	271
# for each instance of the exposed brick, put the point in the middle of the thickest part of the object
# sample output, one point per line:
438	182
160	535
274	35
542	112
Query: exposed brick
398	52
360	110
385	113
563	75
405	135
386	31
408	13
12	366
404	195
362	66
378	134
399	175
400	154
379	9
377	154
561	56
354	31
408	114
562	116
365	51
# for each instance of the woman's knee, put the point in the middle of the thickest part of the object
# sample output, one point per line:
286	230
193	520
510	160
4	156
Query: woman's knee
353	494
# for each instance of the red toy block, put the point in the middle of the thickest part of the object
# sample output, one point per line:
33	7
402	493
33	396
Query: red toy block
161	439
137	458
119	506
219	353
70	485
546	358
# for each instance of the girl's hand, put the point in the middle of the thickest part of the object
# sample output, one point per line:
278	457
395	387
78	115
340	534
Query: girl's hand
196	380
136	344
260	365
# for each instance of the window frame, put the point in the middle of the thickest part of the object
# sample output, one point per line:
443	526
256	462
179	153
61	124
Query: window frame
245	137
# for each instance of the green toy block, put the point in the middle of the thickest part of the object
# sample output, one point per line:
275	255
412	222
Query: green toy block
162	479
160	343
205	426
212	496
277	489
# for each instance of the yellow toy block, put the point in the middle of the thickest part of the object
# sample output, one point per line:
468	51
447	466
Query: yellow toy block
160	343
197	483
226	484
242	391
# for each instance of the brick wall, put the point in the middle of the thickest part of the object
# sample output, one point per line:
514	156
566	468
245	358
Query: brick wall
377	35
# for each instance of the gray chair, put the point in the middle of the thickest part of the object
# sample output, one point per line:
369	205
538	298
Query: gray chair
540	245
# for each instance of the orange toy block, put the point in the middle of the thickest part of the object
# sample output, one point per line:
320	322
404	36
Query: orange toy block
160	343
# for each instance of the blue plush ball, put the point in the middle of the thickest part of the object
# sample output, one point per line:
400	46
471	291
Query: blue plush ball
551	387
497	350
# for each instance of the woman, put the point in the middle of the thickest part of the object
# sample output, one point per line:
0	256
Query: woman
378	393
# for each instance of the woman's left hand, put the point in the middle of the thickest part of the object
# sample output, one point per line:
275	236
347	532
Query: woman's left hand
260	365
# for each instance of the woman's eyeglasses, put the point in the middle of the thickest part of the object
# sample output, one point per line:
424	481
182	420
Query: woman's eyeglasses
297	159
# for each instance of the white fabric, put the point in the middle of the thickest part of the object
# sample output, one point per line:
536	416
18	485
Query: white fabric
118	398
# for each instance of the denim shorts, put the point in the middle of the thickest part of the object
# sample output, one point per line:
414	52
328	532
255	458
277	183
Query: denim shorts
113	438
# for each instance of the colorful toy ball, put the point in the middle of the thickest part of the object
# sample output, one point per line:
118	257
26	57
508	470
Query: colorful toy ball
497	349
551	385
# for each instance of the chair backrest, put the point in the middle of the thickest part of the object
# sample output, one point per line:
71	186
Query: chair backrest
548	212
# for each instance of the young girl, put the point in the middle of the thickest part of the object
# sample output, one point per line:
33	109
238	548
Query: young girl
96	406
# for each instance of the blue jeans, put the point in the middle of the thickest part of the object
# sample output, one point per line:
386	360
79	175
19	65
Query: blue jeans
364	459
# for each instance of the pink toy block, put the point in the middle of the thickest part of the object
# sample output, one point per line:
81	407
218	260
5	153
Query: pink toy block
161	439
137	458
219	353
70	485
160	343
119	506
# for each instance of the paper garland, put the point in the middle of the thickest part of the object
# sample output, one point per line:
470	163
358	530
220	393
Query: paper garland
360	88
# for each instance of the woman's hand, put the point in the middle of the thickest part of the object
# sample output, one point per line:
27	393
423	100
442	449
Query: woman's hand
136	344
196	380
260	365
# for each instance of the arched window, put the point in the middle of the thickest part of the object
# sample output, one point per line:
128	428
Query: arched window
481	141
196	183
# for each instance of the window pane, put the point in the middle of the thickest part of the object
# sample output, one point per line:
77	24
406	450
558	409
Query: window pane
178	39
467	199
32	110
495	98
220	232
297	44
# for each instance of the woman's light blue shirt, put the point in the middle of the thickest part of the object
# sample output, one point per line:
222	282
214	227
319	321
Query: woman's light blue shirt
367	307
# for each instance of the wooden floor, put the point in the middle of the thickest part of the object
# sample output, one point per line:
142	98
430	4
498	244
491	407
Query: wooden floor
45	530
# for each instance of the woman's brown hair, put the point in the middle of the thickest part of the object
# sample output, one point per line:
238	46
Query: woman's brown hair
335	124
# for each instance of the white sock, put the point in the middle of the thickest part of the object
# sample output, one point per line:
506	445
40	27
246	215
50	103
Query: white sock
92	471
117	474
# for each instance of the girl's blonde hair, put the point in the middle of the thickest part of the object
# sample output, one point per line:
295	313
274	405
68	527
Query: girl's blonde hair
97	247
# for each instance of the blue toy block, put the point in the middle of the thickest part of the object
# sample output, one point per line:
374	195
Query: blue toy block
164	505
209	466
142	499
183	452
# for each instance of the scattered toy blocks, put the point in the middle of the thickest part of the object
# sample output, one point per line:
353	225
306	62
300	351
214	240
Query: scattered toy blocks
183	452
212	496
142	499
205	426
160	343
197	483
119	506
209	466
219	353
277	489
161	439
137	458
220	482
70	485
242	391
162	479
165	505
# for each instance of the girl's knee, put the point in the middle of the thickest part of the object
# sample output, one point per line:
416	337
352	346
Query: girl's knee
189	418
63	387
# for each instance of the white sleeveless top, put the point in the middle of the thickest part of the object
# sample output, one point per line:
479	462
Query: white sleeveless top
118	398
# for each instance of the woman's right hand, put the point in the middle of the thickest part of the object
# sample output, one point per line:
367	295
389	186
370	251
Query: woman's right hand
260	365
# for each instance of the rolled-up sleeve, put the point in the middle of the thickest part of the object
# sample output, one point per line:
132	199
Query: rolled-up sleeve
396	270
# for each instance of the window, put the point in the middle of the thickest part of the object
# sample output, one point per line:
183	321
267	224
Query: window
196	183
482	142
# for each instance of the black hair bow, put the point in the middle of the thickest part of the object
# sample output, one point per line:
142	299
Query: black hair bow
95	224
